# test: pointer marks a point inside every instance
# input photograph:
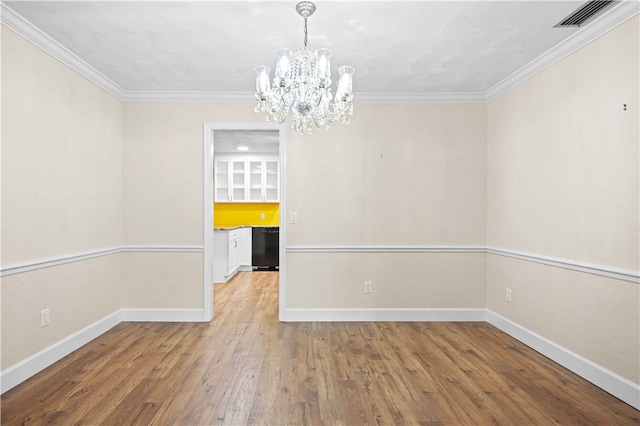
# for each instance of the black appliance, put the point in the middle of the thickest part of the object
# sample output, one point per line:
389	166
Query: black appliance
265	248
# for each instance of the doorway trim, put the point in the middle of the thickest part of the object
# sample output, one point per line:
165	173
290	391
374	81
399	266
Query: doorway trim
209	130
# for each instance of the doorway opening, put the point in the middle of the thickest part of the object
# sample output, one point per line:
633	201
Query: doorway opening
244	190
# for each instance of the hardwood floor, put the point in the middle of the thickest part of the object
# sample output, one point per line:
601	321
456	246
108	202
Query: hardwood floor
245	368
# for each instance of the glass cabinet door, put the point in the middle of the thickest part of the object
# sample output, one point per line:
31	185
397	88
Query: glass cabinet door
222	193
242	180
271	192
255	181
238	181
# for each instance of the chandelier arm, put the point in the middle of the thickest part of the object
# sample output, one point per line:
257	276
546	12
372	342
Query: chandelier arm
333	110
272	107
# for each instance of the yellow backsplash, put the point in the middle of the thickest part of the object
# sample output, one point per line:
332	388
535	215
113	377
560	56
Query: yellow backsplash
237	214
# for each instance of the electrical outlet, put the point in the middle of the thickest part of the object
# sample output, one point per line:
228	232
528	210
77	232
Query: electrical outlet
293	217
508	295
368	287
261	216
44	317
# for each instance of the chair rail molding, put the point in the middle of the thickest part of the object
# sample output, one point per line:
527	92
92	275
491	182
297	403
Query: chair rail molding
33	265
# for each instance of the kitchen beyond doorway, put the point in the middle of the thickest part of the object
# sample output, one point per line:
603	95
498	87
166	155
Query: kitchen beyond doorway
246	193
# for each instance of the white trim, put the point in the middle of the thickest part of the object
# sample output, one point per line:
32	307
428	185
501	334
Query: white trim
77	257
18	373
232	97
384	314
30	32
162	249
385	249
425	98
282	244
161	315
132	96
207	221
55	261
618	14
590	268
611	382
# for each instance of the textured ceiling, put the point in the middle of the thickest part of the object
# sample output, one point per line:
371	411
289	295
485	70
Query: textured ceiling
395	47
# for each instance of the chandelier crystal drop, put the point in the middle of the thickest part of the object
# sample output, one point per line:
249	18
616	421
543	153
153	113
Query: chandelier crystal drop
301	86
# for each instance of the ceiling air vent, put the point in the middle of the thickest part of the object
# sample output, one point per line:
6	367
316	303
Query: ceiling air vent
584	13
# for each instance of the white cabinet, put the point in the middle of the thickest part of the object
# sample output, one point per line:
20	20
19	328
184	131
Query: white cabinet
231	252
227	254
241	179
238	181
264	181
245	244
222	181
230	180
235	251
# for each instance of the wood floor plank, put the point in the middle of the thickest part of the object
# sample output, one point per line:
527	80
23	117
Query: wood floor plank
245	367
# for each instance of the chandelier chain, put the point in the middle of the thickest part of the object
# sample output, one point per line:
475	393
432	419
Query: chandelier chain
305	32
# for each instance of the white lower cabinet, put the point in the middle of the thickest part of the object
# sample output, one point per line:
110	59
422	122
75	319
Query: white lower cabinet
226	254
231	252
245	258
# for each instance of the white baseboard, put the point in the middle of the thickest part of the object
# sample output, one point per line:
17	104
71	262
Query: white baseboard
28	367
372	314
611	382
37	362
162	315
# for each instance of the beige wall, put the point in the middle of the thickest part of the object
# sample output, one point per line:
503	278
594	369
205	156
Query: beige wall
61	195
549	168
162	158
162	280
596	317
562	181
398	175
163	197
400	280
563	157
424	188
61	158
78	294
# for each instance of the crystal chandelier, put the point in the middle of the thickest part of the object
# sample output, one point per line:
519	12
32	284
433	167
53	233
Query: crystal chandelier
302	86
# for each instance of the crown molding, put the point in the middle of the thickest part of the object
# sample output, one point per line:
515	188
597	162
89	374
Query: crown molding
427	98
133	96
470	97
626	9
27	30
620	13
